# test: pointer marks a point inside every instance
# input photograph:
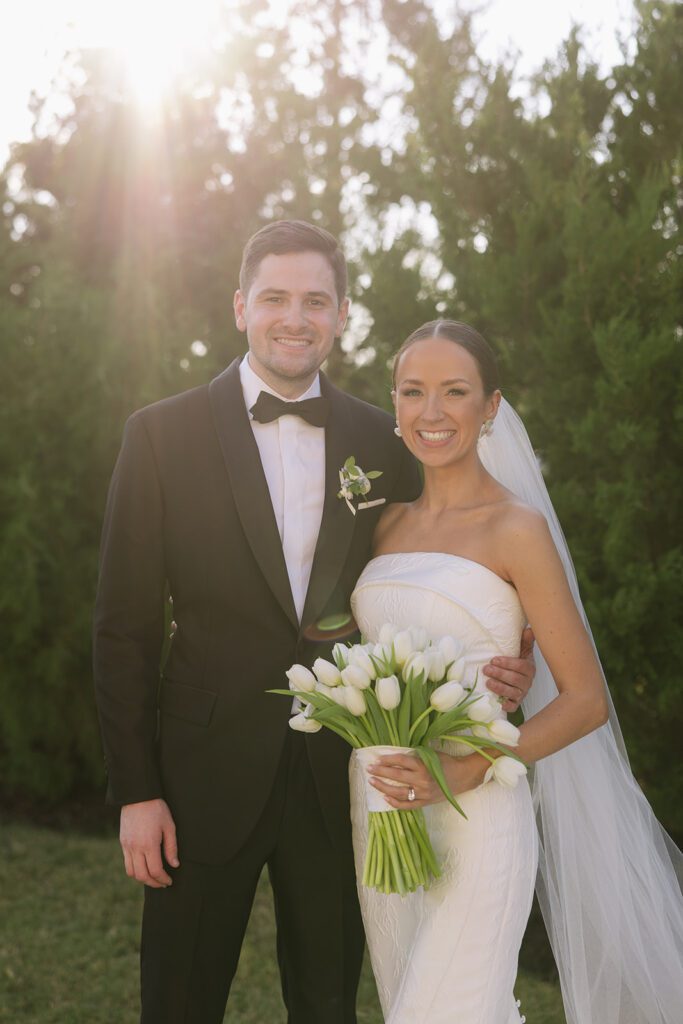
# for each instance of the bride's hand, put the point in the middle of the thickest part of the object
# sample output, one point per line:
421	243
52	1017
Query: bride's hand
396	775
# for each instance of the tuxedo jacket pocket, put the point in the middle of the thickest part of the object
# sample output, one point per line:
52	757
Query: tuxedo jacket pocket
186	702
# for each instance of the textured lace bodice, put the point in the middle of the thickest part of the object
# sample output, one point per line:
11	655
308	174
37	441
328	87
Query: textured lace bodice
446	594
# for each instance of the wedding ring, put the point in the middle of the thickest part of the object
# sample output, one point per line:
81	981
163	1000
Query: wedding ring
411	794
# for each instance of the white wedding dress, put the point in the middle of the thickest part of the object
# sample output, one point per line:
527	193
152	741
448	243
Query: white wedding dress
449	955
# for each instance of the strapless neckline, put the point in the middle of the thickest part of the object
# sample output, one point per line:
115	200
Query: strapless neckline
444	554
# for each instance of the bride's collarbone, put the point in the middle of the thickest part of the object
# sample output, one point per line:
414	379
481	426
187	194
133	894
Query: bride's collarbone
472	537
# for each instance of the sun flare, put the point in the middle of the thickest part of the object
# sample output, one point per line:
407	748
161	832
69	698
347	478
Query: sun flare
156	39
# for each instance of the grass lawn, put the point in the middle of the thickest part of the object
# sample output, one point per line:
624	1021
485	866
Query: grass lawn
69	921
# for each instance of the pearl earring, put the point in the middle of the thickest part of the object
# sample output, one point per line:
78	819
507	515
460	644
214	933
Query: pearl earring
486	428
397	431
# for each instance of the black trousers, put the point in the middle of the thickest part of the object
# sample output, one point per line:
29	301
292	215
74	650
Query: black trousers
192	931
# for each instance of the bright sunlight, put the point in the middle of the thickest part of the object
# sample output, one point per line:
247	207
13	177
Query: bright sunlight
156	39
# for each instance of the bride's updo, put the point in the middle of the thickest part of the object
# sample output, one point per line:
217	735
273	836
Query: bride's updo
465	336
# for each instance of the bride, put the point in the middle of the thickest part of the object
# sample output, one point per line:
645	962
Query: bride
476	556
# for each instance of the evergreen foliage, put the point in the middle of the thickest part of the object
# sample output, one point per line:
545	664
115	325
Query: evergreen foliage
556	220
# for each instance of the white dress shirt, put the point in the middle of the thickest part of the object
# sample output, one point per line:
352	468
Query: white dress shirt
293	458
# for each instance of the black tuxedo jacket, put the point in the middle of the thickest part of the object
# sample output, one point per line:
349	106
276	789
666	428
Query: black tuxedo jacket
189	512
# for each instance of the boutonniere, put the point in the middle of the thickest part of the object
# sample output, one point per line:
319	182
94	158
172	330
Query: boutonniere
355	483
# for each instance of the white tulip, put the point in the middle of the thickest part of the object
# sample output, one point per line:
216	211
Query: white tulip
387	633
340	653
483	710
403	647
301	723
436	665
359	657
450	648
354	700
355	677
456	672
506	771
505	732
481	730
388	692
326	672
416	665
384	653
300	678
447	696
337	695
420	638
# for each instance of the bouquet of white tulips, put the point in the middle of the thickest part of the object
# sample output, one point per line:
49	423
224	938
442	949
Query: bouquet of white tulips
404	692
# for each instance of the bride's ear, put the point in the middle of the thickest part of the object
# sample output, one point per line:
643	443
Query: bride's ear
492	404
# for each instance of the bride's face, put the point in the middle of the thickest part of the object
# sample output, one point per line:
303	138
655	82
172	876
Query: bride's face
440	401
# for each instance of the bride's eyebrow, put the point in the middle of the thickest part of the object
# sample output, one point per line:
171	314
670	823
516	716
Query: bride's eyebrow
444	383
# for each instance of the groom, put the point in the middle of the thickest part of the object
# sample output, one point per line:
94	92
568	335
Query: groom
225	497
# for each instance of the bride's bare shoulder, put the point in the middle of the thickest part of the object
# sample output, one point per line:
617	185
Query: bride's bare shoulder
519	527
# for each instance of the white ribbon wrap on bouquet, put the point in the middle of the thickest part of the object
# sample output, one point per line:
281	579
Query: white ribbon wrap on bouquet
367	756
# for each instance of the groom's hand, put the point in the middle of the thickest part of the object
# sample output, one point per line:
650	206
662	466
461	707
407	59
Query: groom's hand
511	678
146	828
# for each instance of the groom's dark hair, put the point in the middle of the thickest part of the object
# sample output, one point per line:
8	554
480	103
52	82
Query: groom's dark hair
284	236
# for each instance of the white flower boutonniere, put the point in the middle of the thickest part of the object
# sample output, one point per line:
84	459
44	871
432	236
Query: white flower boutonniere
355	483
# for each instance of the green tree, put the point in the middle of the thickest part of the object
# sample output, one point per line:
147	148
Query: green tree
559	224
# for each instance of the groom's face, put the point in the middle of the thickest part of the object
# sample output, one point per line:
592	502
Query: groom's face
291	315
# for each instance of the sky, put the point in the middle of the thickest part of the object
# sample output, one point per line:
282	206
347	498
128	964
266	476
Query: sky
39	31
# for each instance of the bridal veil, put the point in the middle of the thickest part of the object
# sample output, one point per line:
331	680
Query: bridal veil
609	881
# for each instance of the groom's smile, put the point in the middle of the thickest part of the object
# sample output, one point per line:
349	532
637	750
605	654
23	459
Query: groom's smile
291	314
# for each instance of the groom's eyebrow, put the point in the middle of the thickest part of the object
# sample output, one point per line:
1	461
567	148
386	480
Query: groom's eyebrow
283	291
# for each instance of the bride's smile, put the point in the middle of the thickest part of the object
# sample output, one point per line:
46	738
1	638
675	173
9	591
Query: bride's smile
440	402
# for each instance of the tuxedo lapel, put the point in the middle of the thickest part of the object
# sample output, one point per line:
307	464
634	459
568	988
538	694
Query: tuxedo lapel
337	525
249	485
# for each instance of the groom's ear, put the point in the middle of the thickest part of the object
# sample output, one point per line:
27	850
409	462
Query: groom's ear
342	316
238	304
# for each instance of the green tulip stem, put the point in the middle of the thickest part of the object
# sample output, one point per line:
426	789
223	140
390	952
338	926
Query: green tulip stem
379	866
386	873
407	818
404	847
393	855
370	856
365	719
427	711
469	743
424	841
389	719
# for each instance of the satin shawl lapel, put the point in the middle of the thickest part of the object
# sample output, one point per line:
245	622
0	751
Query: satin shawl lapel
336	528
249	485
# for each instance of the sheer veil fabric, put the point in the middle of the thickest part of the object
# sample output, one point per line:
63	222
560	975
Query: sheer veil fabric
609	880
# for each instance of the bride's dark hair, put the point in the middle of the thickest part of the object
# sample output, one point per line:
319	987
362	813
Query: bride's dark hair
465	336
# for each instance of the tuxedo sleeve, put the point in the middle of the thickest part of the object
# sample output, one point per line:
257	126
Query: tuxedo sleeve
129	620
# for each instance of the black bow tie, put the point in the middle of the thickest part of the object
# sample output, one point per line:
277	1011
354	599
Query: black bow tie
269	407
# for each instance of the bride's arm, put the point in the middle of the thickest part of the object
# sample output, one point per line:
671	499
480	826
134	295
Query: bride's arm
534	566
530	560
